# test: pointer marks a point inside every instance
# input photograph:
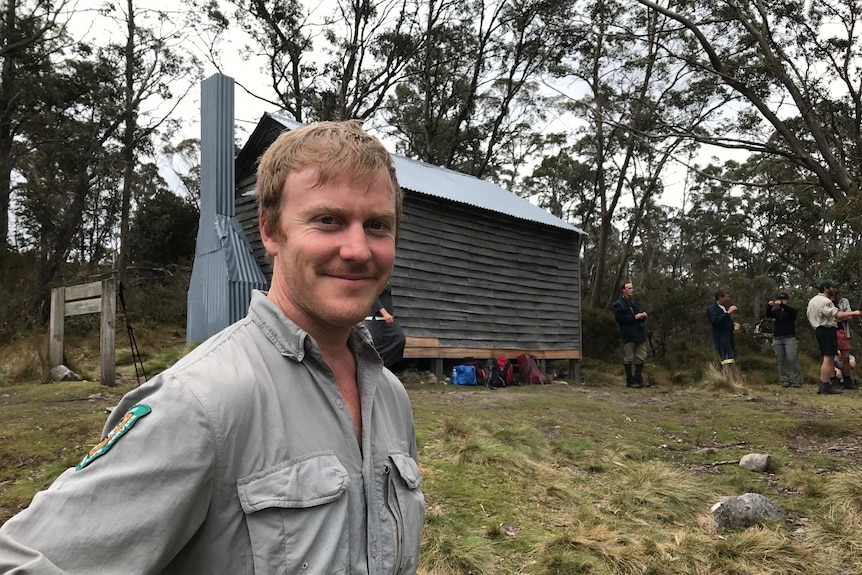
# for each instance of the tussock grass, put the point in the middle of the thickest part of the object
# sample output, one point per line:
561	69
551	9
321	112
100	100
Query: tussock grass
657	493
602	480
730	380
840	530
25	359
465	552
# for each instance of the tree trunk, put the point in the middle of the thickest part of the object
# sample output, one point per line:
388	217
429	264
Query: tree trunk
128	153
7	89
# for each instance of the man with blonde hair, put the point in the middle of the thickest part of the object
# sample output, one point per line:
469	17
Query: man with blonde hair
280	445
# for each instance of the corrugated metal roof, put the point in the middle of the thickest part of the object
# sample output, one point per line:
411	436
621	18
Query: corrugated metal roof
457	187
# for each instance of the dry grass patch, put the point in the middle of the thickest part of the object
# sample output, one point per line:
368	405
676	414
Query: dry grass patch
598	480
25	359
730	380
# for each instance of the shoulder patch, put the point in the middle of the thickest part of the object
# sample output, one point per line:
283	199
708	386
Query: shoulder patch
101	448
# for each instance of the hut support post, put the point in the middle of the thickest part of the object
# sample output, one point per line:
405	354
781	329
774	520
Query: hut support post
575	370
438	368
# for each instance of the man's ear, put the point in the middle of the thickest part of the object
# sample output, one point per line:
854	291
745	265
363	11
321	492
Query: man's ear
270	241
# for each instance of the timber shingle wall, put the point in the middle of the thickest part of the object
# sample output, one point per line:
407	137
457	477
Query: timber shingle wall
475	279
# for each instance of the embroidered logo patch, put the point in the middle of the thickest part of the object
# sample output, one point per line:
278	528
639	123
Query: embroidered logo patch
101	448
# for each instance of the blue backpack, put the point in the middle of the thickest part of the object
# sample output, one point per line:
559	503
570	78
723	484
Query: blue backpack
464	375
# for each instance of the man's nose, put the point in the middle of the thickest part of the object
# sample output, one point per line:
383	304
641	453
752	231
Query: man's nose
354	246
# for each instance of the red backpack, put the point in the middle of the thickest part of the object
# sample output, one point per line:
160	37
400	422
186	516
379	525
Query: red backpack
530	371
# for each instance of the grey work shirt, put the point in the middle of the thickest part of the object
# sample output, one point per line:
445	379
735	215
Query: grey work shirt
844	305
247	463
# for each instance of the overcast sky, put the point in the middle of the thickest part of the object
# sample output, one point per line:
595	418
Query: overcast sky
248	110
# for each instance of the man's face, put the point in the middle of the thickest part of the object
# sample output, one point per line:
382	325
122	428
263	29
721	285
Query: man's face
832	292
334	249
628	290
724	300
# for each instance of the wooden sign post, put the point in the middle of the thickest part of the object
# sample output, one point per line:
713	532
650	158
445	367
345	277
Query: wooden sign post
81	299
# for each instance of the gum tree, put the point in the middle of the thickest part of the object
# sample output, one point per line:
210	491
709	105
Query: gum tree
798	68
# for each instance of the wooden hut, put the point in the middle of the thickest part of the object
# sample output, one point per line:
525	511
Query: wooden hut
479	271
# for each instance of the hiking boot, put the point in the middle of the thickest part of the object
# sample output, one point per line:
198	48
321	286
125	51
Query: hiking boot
630	378
826	388
785	384
639	378
797	384
848	383
633	384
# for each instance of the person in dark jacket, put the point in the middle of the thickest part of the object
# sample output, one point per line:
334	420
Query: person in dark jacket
388	337
719	315
631	318
784	342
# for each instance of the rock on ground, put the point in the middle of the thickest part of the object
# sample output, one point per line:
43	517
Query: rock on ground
745	511
757	462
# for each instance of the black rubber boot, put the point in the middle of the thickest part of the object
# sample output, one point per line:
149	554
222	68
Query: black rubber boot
639	378
826	388
630	379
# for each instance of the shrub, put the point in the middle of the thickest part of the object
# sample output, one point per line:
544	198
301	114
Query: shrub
600	335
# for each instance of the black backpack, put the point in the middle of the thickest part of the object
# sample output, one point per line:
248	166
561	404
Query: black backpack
497	375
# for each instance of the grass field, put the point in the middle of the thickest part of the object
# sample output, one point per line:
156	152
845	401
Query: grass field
567	478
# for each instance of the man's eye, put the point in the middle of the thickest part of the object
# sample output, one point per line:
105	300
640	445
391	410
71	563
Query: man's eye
379	226
327	220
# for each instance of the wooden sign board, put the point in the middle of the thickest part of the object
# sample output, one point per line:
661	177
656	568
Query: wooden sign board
95	297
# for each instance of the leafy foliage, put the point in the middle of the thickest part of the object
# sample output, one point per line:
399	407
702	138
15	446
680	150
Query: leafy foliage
164	229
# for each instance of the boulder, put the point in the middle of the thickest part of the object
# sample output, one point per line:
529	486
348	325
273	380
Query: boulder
63	373
745	511
757	462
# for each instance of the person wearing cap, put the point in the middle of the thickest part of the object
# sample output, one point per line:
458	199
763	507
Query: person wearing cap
843	304
824	317
784	342
723	326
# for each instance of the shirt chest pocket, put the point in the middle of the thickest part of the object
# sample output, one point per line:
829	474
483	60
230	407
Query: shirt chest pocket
406	505
296	513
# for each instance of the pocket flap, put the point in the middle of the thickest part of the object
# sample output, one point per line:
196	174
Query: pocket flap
407	468
306	481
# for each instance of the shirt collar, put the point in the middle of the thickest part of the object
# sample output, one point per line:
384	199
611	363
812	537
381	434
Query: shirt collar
287	337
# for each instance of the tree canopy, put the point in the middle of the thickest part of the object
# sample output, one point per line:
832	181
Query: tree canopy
697	144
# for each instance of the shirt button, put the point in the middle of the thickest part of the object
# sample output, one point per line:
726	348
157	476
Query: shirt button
339	403
305	565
